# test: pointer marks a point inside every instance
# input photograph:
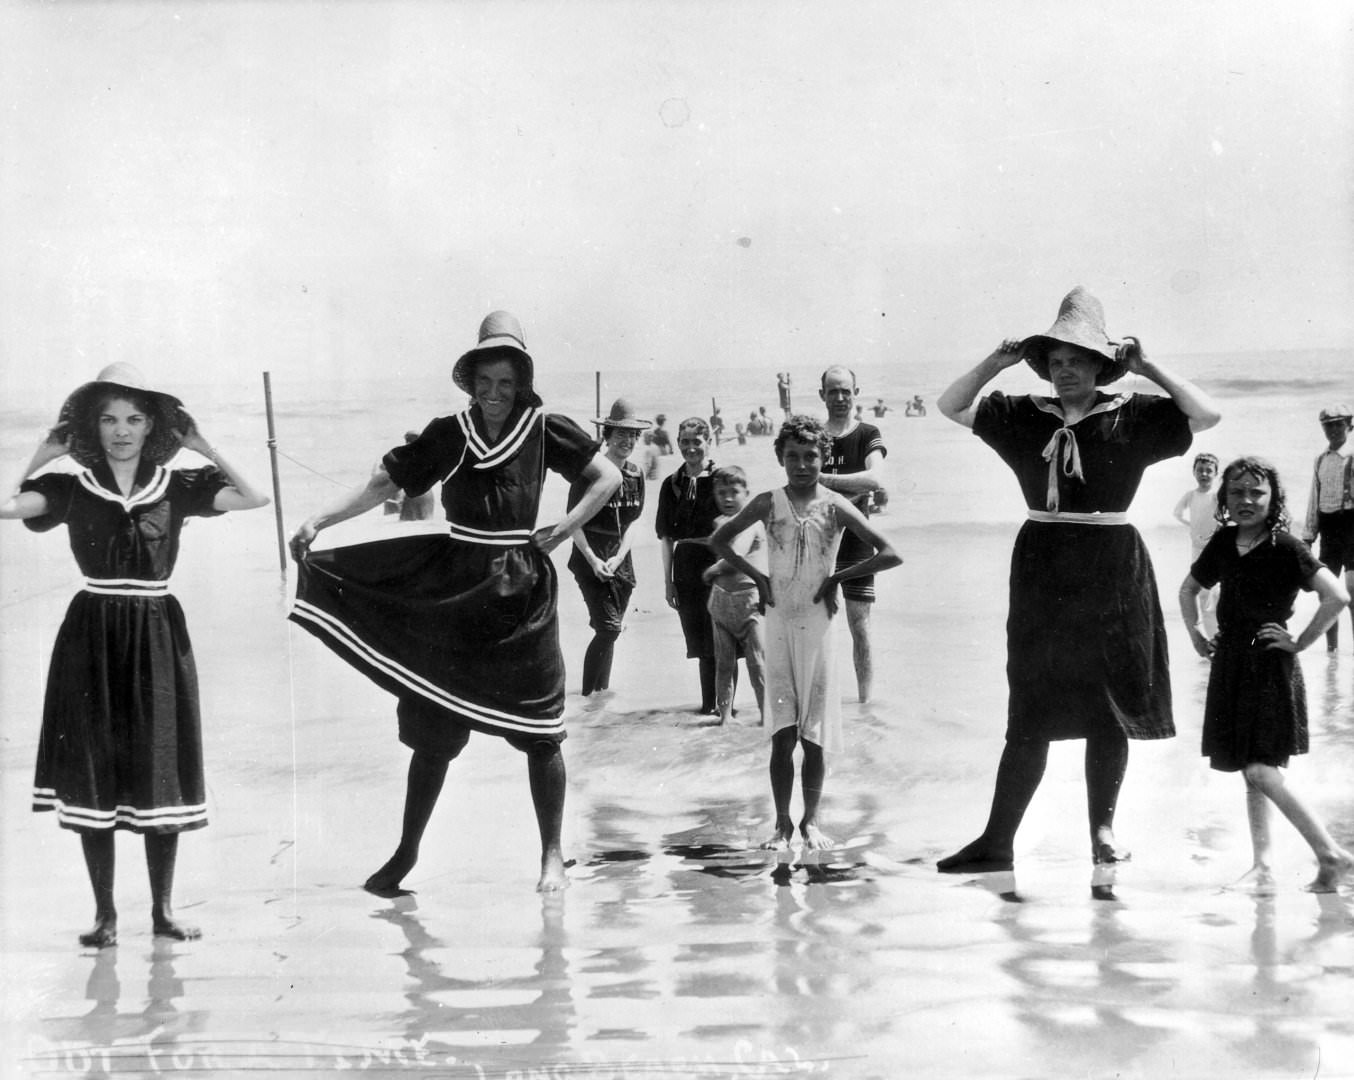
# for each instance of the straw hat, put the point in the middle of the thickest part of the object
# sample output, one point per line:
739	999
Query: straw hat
622	416
500	338
166	412
1336	412
1080	322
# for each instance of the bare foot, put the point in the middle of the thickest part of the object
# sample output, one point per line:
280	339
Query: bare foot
977	858
1257	881
1330	869
553	877
170	928
104	933
386	881
814	840
781	838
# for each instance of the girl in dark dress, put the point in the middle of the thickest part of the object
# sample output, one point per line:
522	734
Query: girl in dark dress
1255	713
600	561
1086	644
462	628
121	743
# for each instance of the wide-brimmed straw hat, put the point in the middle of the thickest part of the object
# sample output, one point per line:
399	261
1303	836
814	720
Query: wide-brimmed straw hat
500	338
166	413
1336	412
1080	322
622	416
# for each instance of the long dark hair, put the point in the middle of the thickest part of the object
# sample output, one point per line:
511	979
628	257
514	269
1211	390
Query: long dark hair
1261	469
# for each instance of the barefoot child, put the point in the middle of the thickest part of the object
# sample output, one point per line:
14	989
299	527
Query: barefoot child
1255	714
804	523
735	613
1197	511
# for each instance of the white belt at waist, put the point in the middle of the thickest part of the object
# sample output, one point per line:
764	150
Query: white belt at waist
126	587
495	537
1068	517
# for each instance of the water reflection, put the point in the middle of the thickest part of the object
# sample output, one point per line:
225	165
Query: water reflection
114	1037
1081	991
453	1017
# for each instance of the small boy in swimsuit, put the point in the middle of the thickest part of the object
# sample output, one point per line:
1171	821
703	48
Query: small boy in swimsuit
798	592
735	612
1198	510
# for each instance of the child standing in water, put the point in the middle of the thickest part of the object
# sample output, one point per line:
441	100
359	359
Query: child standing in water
1197	511
804	523
1255	714
735	611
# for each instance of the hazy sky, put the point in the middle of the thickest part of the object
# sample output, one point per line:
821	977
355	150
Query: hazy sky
230	187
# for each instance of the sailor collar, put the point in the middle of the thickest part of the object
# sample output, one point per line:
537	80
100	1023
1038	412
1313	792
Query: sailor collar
153	480
487	455
1062	452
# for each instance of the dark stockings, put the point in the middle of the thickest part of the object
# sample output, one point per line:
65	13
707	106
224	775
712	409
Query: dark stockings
707	666
1018	777
162	851
597	661
427	772
99	861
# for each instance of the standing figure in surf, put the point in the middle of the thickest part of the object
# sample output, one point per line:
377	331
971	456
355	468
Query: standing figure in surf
804	522
462	628
1085	640
121	743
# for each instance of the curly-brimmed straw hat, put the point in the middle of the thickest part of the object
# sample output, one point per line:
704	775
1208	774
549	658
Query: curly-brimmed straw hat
166	415
500	338
1080	322
622	416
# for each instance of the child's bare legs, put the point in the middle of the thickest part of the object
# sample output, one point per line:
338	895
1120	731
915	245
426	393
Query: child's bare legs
99	862
1106	763
754	656
782	786
812	775
162	852
1018	776
726	663
1259	879
1333	861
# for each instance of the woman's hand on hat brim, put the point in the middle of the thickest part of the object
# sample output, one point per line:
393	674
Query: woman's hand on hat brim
188	435
56	443
1009	353
1131	355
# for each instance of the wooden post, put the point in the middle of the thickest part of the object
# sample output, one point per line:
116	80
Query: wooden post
277	484
597	392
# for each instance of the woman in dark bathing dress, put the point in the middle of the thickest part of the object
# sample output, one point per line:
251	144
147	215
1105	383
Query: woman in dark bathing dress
462	628
1086	643
121	744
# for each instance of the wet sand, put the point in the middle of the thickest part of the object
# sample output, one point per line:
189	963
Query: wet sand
679	949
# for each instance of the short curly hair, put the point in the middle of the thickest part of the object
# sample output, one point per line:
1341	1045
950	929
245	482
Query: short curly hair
1261	469
805	429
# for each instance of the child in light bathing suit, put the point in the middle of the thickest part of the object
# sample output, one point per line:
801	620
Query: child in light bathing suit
804	523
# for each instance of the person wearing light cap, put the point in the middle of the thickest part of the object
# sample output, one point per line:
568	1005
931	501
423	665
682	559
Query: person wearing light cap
462	627
1330	507
1086	654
